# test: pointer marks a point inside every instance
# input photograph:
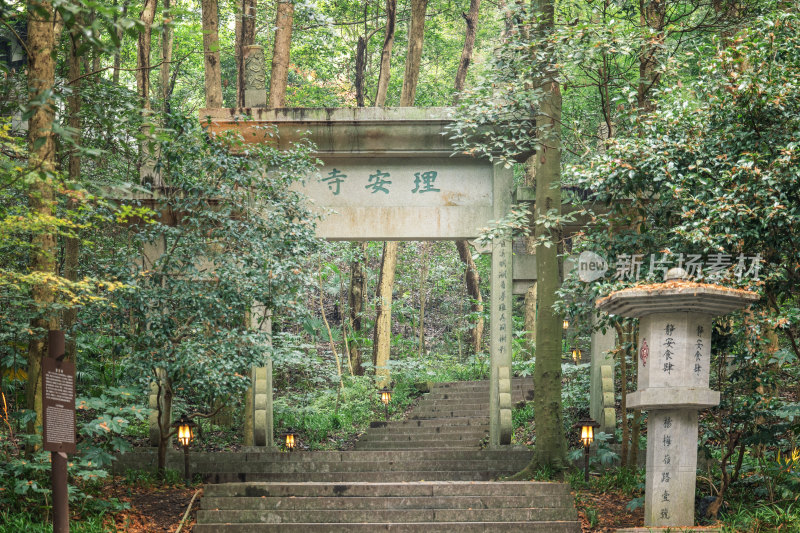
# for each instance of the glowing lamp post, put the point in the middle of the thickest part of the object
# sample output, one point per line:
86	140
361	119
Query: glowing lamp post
185	427
587	427
289	439
576	355
565	324
386	397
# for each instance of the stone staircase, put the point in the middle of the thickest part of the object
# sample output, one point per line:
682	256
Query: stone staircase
426	473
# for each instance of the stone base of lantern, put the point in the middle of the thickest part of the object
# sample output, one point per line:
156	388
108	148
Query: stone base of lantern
671	467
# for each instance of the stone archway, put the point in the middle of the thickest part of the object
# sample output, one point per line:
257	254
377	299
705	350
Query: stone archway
390	174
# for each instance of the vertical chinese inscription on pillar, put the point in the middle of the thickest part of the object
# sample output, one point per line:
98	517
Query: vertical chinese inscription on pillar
58	403
698	352
502	276
667	471
668	354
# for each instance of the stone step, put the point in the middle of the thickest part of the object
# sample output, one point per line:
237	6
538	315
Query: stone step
464	404
441	413
385	515
412	527
432	435
365	466
460	421
350	477
440	430
530	489
379	502
414	444
476	397
498	454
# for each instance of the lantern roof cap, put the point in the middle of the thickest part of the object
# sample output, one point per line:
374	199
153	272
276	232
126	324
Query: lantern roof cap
676	295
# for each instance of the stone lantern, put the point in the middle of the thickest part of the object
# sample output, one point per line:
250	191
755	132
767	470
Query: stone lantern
674	356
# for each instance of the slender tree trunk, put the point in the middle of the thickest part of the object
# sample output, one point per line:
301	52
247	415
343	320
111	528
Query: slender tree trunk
143	68
381	346
42	36
423	281
167	40
355	296
386	54
328	329
361	63
213	73
281	53
416	33
383	319
245	36
473	281
72	244
120	35
471	18
551	446
471	276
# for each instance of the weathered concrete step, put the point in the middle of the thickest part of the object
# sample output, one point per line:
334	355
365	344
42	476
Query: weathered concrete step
364	466
414	444
461	421
422	414
413	527
416	430
420	435
451	404
530	489
381	502
350	477
499	454
526	381
385	515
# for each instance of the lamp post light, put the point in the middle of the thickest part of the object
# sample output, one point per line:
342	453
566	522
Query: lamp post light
289	439
576	355
185	427
587	427
386	397
565	324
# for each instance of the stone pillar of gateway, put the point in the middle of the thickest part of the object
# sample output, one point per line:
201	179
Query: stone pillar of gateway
674	358
391	174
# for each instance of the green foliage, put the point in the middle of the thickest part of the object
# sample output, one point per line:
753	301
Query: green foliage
14	522
328	418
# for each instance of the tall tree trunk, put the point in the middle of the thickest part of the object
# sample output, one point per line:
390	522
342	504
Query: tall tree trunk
383	319
416	33
143	68
386	54
245	36
120	35
551	446
355	297
471	276
72	244
471	18
381	346
473	281
42	36
361	64
281	54
423	281
213	73
167	40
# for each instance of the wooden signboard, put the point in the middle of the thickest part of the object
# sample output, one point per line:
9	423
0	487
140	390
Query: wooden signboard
58	402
